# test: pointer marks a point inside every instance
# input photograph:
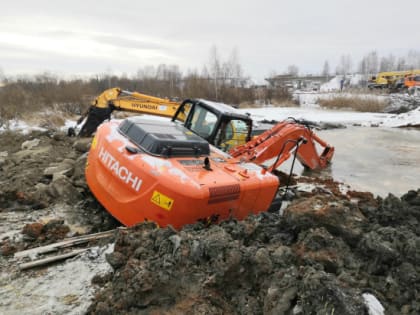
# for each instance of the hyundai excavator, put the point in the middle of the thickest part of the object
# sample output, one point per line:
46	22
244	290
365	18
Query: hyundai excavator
195	167
117	99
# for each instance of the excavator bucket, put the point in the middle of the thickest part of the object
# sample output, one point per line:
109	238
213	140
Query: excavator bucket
95	117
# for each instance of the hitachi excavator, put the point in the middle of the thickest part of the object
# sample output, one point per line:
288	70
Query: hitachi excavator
202	165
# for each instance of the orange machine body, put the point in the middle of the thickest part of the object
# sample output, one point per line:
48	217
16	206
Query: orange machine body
412	81
164	173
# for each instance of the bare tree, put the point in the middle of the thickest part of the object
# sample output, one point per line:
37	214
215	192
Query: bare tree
215	68
387	63
345	65
293	70
401	64
413	59
369	65
2	76
326	69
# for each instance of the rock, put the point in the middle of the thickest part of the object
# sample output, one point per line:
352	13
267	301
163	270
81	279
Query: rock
33	230
338	217
321	293
82	145
116	260
262	260
55	229
30	144
62	188
283	256
63	168
3	156
7	248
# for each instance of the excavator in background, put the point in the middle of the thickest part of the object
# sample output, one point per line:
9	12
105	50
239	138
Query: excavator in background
393	80
121	100
118	99
412	82
202	165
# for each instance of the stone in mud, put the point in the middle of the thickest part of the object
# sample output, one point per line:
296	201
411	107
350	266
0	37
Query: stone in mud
29	144
55	229
321	293
82	145
33	230
318	246
7	248
63	189
116	259
339	217
63	168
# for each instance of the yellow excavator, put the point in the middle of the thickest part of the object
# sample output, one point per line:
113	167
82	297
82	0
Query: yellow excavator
392	80
118	99
203	124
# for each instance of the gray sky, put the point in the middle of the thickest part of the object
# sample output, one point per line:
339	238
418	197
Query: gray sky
86	37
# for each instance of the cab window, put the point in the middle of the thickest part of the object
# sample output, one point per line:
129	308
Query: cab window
203	122
183	114
232	134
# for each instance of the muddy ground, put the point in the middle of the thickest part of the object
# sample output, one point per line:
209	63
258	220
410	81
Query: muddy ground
331	251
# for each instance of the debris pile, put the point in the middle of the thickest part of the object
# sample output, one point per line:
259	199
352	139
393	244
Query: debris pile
325	255
402	103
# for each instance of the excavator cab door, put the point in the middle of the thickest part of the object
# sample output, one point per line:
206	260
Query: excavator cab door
222	130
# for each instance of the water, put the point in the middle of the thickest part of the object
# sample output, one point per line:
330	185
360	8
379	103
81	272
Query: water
379	160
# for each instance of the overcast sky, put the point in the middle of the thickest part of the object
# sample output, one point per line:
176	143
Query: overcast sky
86	37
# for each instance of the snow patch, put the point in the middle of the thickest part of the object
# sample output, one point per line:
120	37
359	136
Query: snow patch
63	289
374	306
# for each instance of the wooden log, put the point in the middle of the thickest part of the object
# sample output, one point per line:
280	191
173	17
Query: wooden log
42	262
63	244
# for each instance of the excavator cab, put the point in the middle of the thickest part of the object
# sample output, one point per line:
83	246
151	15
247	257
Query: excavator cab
221	125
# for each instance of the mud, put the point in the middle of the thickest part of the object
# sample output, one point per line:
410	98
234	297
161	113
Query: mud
330	250
322	256
43	193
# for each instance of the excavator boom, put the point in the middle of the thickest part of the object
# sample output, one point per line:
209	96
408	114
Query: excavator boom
280	140
117	99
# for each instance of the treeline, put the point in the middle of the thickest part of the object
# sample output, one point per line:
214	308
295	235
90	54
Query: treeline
373	62
39	92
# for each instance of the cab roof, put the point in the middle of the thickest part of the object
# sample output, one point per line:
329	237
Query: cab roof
224	109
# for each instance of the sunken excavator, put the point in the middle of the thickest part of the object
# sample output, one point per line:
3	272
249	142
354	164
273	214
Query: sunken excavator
203	164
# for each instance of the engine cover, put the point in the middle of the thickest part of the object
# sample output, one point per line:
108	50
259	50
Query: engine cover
191	182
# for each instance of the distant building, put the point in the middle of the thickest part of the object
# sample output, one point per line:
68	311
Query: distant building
293	82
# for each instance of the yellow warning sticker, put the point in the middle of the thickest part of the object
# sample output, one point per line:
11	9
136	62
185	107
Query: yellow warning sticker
162	200
94	142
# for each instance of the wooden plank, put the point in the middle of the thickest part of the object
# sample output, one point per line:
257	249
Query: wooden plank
42	262
63	244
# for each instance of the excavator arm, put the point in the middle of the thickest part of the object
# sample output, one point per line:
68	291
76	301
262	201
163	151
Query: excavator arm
279	141
117	99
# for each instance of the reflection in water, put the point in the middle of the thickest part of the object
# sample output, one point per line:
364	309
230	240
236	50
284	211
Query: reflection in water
379	160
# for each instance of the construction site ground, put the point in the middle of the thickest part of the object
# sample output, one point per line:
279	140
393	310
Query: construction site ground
330	251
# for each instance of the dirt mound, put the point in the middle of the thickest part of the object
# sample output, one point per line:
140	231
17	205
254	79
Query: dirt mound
43	190
323	256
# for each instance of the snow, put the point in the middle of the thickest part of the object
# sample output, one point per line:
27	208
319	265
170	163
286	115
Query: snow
20	125
63	289
335	83
310	111
410	118
332	85
25	128
374	306
324	116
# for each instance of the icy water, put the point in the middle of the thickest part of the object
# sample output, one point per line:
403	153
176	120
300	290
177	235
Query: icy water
379	160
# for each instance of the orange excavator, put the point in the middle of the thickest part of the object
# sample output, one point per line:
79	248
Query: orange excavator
202	165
